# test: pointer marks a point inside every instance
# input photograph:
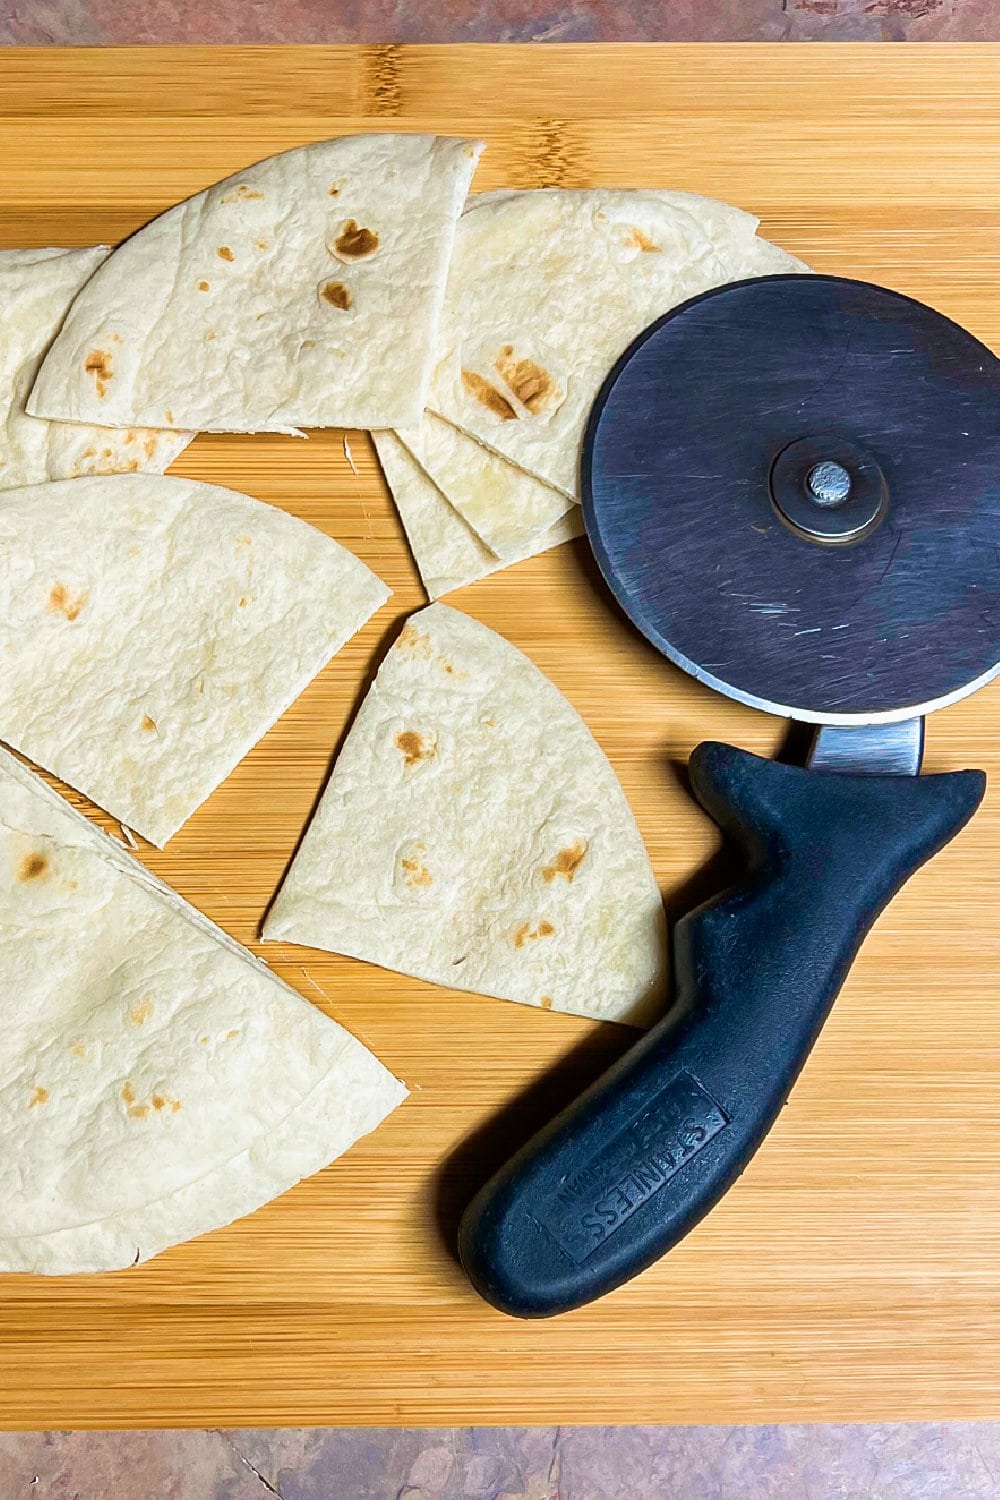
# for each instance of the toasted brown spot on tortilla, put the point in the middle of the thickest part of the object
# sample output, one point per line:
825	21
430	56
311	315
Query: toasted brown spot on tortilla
33	867
336	293
263	244
246	599
243	541
147	724
415	640
487	395
98	364
138	1111
39	1096
566	863
79	1049
533	386
224	253
354	242
203	286
127	1095
116	338
334	191
90	452
416	873
169	416
158	1101
210	336
639	240
525	934
412	748
149	447
105	452
141	1012
241	193
546	1002
61	602
232	1032
132	467
203	1041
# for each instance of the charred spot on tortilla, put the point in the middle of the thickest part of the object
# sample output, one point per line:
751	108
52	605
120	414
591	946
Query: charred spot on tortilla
98	364
203	286
147	725
33	867
415	640
415	873
526	934
487	395
38	1096
241	194
533	386
224	253
413	748
62	602
637	239
336	294
355	242
566	863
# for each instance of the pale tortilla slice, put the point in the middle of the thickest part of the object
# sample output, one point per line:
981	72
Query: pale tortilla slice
473	834
507	508
156	1080
547	288
446	550
152	629
36	289
303	291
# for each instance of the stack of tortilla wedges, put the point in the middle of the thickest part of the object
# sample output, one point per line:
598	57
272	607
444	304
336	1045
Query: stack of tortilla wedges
156	1079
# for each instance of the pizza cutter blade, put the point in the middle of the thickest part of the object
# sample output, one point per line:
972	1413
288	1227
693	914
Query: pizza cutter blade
792	487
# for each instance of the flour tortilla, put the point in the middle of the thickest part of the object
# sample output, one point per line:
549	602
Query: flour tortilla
303	291
508	509
473	834
36	289
547	288
152	629
446	550
156	1080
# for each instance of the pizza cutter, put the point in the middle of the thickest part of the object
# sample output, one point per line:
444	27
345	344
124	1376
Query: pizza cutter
792	487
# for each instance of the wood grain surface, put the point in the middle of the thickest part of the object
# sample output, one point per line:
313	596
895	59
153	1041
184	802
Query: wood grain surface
854	1272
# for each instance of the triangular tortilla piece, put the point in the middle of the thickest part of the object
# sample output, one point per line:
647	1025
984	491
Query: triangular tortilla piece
156	1080
473	834
36	289
507	508
446	550
152	629
303	291
547	288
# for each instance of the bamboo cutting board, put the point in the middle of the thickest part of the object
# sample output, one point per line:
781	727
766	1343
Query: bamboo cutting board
854	1272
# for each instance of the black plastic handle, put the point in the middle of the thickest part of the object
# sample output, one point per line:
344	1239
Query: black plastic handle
627	1170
